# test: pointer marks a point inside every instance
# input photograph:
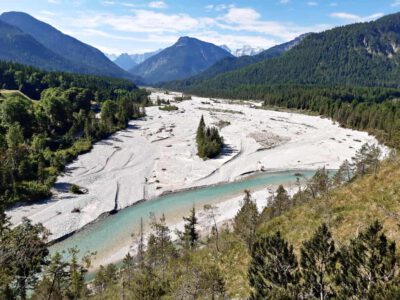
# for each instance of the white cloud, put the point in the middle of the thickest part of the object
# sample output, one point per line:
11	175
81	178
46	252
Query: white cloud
48	13
143	21
241	15
219	7
284	1
312	3
54	1
235	41
108	3
143	27
396	3
158	4
355	18
333	4
247	19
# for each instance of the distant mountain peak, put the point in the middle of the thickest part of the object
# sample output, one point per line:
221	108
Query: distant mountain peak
187	57
225	47
72	54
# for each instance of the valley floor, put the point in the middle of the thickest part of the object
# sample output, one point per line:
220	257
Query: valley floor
157	155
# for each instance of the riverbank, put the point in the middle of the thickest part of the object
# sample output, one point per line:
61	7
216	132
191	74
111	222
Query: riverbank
157	155
111	237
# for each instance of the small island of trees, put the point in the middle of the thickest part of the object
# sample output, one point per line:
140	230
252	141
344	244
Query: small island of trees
209	141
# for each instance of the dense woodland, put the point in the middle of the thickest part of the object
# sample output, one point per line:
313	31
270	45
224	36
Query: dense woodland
39	135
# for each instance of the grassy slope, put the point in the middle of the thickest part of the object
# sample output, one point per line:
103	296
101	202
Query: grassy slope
10	93
347	210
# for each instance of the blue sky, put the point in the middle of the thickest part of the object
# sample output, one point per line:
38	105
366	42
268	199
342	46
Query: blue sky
133	26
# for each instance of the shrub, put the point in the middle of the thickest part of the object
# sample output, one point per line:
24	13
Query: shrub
75	189
169	108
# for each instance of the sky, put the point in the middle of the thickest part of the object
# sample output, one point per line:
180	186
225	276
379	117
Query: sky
133	26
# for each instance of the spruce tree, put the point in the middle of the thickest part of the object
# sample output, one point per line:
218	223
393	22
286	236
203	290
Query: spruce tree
278	203
246	220
318	260
190	233
319	183
273	268
201	131
368	264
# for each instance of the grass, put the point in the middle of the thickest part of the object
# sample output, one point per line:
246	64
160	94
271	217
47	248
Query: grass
347	210
4	94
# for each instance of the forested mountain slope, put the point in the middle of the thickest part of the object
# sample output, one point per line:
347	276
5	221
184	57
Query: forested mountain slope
79	57
18	46
234	63
364	54
186	58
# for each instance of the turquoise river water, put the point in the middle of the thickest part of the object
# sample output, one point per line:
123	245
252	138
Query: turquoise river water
105	235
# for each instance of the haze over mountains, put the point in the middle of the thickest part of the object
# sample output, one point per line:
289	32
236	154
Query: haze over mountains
187	57
128	61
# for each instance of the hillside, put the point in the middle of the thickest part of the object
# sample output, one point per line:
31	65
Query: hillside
363	54
63	52
347	211
186	58
18	46
234	63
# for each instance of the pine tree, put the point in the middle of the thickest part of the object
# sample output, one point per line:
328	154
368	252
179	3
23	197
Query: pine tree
209	142
318	260
344	174
366	159
54	284
200	131
273	268
77	272
368	265
190	235
319	183
160	243
246	220
278	203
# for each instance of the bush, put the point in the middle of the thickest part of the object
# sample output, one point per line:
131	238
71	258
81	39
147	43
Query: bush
75	189
169	108
31	191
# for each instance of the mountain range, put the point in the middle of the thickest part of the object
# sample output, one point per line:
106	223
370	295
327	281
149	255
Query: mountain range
128	61
245	50
234	63
187	57
27	40
362	54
